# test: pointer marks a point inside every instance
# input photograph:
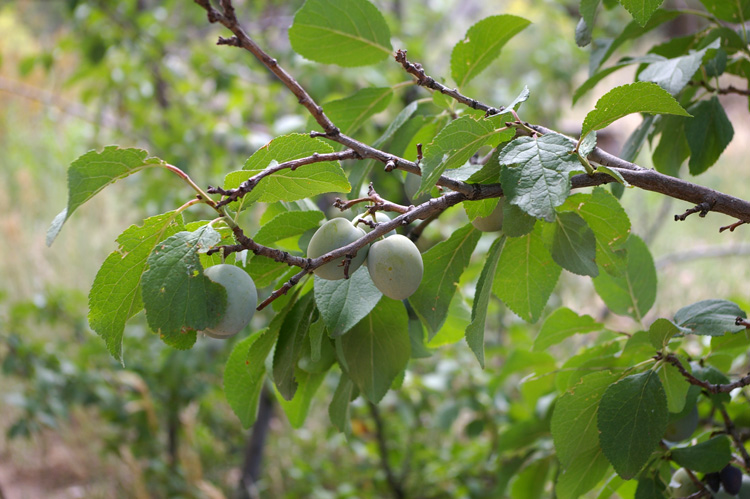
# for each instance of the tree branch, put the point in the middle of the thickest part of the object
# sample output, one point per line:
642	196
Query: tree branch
732	431
710	387
393	483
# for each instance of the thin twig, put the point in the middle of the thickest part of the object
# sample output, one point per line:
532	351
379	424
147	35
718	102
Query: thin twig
710	387
394	484
732	431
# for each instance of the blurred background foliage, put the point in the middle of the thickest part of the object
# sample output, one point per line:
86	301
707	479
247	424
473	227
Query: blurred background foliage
76	75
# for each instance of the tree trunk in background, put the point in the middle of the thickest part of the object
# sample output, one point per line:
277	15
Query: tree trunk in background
253	459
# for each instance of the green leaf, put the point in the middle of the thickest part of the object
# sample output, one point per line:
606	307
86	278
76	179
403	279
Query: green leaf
475	330
574	245
516	222
675	387
290	185
705	457
540	180
443	265
632	419
576	437
344	32
178	298
350	113
526	275
482	45
673	148
244	373
345	302
288	224
115	295
641	10
94	171
734	11
707	134
265	271
712	375
296	409
292	337
600	75
585	25
456	143
377	349
660	332
639	97
338	411
674	74
634	292
611	225
481	208
710	317
650	487
399	121
561	324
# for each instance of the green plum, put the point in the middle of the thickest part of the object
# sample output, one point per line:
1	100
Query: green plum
242	298
681	484
492	222
395	266
330	236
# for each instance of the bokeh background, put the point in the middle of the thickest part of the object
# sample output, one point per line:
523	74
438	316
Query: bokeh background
77	75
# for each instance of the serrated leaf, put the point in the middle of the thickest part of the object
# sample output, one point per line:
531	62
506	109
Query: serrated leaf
611	225
350	113
675	387
292	335
561	324
94	171
345	302
178	298
574	245
338	411
539	180
674	74
660	332
526	275
377	349
481	208
290	185
634	292
288	224
515	104
344	32
707	134
482	44
443	265
115	295
705	457
456	143
710	317
516	222
475	330
639	97
632	418
641	10
244	373
296	409
576	437
595	78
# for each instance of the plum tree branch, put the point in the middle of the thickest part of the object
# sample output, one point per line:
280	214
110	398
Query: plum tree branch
710	387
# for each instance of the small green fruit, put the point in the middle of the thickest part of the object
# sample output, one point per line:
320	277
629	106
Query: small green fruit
395	266
411	186
681	484
242	298
492	222
333	235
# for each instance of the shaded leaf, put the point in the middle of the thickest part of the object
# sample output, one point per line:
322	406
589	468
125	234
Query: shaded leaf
632	418
292	336
338	410
475	330
574	245
345	302
707	134
705	457
296	409
350	113
710	317
443	265
526	275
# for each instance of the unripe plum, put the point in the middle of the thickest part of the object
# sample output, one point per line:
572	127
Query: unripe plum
395	266
492	222
683	428
242	298
681	484
333	235
411	186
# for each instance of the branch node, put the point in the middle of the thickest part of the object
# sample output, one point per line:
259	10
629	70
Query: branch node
701	208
